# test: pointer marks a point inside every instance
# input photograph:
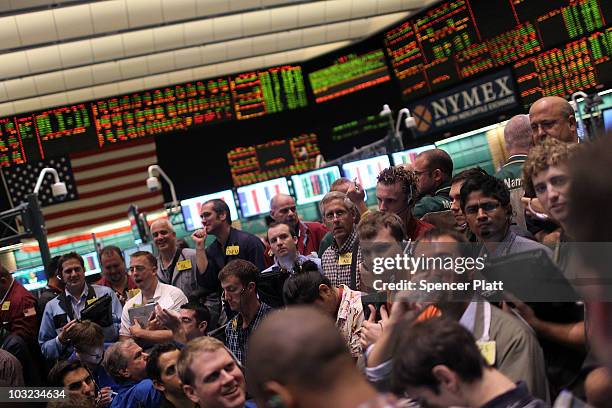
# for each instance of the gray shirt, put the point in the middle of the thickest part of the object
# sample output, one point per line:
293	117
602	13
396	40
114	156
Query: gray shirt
184	275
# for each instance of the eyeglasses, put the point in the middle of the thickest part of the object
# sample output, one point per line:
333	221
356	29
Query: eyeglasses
486	207
335	214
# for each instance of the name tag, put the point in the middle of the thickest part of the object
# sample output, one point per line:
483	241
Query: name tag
182	265
90	301
487	349
132	292
345	259
6	305
232	250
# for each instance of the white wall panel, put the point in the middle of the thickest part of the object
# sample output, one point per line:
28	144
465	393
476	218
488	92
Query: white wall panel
265	44
213	53
211	7
198	32
28	105
36	27
257	22
76	53
290	39
313	36
133	67
57	99
14	64
7	109
138	42
104	91
173	10
211	71
337	32
168	37
107	48
337	10
187	57
162	62
284	18
50	83
80	95
144	12
239	48
131	86
72	22
227	27
78	77
109	16
9	33
106	72
43	59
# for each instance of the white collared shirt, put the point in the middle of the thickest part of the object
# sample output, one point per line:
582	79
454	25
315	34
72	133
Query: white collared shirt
168	297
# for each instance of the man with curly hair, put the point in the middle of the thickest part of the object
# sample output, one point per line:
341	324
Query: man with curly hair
396	192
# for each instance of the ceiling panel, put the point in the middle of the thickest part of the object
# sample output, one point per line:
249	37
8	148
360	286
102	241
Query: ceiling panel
98	47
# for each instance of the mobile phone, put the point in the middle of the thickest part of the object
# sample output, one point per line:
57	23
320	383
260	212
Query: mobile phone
377	299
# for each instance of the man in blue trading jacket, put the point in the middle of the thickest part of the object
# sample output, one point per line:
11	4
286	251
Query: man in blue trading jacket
64	311
229	244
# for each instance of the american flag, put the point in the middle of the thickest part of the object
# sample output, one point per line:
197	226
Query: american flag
101	185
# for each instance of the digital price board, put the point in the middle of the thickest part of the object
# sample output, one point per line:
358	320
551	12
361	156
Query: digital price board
376	124
409	156
168	109
272	90
581	65
52	132
459	39
273	159
348	74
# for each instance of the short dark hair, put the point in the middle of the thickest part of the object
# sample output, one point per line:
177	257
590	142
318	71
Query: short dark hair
153	369
110	250
418	348
439	159
468	173
277	223
65	257
150	257
60	369
86	334
52	269
245	271
202	314
303	287
221	207
489	186
372	222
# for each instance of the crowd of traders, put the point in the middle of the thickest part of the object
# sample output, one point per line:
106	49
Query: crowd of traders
285	320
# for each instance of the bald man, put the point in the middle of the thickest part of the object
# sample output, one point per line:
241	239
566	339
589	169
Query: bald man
175	266
518	141
310	234
286	367
553	116
434	170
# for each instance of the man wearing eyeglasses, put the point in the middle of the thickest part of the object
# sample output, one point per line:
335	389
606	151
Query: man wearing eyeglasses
434	169
553	116
342	260
485	201
143	268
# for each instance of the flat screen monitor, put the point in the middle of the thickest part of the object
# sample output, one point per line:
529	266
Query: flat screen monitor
129	251
408	156
312	186
365	171
192	206
92	263
255	198
607	117
32	278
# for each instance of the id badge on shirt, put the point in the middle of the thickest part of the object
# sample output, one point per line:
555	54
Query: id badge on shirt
487	349
345	259
232	250
184	265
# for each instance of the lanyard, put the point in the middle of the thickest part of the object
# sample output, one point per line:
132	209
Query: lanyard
486	322
7	292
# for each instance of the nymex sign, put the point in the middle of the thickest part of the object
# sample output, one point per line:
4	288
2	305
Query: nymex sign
465	103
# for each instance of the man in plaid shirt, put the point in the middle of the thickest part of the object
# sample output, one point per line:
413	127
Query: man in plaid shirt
342	260
238	280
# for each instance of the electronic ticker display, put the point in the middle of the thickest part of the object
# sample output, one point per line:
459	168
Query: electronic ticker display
459	39
168	109
52	132
277	158
272	90
379	125
581	65
348	74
